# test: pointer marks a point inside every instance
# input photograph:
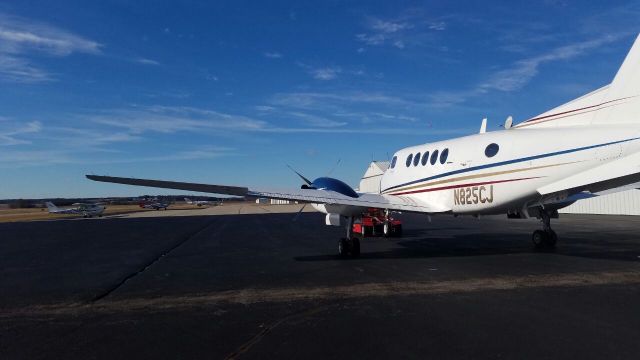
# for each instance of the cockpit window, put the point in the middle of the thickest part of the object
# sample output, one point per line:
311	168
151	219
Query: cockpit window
409	158
491	150
443	156
434	157
393	161
416	159
425	158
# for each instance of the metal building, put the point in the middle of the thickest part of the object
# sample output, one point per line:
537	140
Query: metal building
620	203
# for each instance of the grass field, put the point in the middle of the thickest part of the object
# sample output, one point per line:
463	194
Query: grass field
12	215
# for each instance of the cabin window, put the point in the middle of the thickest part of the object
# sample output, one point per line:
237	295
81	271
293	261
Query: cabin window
491	150
425	158
409	158
434	157
443	156
416	159
393	161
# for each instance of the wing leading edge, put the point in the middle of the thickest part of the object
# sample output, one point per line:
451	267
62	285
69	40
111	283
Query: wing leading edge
391	202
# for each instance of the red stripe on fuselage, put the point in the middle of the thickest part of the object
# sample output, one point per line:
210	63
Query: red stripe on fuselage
464	185
574	110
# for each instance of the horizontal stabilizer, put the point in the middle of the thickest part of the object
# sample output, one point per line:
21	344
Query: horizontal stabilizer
612	174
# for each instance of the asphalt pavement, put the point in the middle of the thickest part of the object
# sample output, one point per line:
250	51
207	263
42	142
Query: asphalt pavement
253	286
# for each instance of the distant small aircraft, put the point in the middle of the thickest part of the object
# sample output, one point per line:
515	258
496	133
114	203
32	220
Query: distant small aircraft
587	147
157	205
202	202
84	209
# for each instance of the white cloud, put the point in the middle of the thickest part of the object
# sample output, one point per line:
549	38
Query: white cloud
327	73
410	28
524	70
519	74
146	61
317	121
19	35
21	38
389	26
14	134
167	119
273	55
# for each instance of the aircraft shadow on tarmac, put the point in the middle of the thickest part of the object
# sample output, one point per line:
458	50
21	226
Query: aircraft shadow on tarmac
487	244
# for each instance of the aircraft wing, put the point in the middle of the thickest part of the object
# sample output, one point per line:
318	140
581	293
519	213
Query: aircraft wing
391	202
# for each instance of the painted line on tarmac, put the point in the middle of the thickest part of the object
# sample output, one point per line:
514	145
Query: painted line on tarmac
294	294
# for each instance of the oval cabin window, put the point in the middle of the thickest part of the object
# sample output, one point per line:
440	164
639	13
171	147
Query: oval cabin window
416	159
434	157
409	158
491	150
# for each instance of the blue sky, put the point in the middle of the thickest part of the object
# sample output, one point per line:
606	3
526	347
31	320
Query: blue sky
228	92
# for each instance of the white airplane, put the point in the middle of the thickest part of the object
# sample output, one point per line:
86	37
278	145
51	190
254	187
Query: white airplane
84	209
584	148
202	202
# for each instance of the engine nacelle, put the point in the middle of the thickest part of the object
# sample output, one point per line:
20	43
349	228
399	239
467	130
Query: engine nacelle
343	210
327	183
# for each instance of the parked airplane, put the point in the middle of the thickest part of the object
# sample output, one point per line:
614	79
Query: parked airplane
84	209
157	205
202	202
584	148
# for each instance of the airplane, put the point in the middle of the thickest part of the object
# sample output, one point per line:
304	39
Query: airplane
157	205
202	202
84	209
586	147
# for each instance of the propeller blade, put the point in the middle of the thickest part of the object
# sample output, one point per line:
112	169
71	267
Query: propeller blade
295	218
334	167
302	177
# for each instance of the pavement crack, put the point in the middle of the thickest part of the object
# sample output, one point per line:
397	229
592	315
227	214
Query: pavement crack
151	262
244	348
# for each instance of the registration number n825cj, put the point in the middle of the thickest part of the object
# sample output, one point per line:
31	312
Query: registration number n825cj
473	195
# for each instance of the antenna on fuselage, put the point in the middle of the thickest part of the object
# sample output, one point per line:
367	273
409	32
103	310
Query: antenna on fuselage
483	126
508	123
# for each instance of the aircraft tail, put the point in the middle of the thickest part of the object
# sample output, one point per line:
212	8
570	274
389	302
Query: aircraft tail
187	200
51	207
616	103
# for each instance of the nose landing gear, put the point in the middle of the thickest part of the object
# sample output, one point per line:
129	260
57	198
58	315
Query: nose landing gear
545	238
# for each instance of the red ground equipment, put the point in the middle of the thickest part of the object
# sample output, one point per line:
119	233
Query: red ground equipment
375	222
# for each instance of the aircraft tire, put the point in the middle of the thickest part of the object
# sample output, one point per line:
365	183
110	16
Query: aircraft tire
343	248
355	247
539	239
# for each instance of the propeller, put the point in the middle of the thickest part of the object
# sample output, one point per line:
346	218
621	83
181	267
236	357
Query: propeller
307	181
295	218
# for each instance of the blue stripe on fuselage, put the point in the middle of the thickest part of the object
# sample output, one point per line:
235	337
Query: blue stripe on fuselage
507	162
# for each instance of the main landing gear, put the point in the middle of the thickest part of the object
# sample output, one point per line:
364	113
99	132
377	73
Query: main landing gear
545	238
349	246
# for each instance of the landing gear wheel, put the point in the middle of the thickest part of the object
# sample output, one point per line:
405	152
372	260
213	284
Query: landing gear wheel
544	239
539	239
355	247
385	229
343	247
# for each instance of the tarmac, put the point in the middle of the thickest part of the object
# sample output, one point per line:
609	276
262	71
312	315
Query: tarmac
248	282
